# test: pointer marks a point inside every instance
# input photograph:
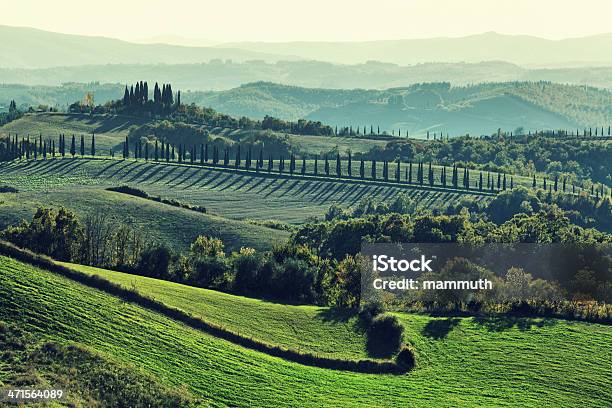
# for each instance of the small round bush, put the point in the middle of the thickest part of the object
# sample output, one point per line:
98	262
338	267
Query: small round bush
384	336
406	358
370	311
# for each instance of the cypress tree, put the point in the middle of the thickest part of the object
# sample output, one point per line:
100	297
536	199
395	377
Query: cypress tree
564	183
480	182
126	97
93	144
247	163
511	182
146	152
326	165
45	150
205	155
172	156
361	169
350	161
291	164
455	178
504	183
398	171
237	161
316	165
498	181
544	184
260	160
270	163
373	169
73	147
281	165
156	152
303	171
430	175
556	182
338	165
385	170
533	183
226	157
410	173
35	149
82	146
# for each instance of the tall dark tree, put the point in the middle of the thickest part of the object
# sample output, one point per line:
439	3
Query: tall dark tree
350	160
82	146
338	166
316	165
326	166
373	170
93	144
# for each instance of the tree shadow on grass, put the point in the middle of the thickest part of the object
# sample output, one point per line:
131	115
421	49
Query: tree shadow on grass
336	315
439	328
502	323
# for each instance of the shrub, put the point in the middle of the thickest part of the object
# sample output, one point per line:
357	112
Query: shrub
8	189
405	358
384	336
370	311
129	190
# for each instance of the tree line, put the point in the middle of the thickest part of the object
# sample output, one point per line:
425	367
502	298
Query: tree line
244	158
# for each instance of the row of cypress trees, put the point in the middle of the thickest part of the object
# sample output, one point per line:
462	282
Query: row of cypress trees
207	154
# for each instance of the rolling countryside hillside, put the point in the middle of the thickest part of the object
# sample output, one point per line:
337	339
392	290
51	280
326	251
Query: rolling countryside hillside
250	195
472	362
435	107
477	109
223	75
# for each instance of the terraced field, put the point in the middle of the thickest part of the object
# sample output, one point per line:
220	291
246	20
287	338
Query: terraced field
465	361
226	192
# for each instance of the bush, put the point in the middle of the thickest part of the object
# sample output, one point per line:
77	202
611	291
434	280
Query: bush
370	311
384	336
8	189
405	358
129	190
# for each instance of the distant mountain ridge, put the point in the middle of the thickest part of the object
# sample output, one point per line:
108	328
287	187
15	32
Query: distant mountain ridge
518	49
22	47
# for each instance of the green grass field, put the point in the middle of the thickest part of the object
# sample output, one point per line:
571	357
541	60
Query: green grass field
175	227
464	361
307	328
235	195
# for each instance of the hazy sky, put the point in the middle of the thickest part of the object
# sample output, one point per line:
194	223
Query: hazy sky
328	20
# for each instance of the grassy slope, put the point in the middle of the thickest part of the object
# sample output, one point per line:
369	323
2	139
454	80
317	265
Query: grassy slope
523	362
172	226
109	130
231	195
307	328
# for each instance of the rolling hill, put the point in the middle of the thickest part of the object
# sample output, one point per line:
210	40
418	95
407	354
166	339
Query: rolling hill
469	361
226	192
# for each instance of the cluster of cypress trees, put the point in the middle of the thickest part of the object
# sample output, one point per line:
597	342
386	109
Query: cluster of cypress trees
138	96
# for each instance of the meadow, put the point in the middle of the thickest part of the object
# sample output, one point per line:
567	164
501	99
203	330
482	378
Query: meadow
226	192
461	361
